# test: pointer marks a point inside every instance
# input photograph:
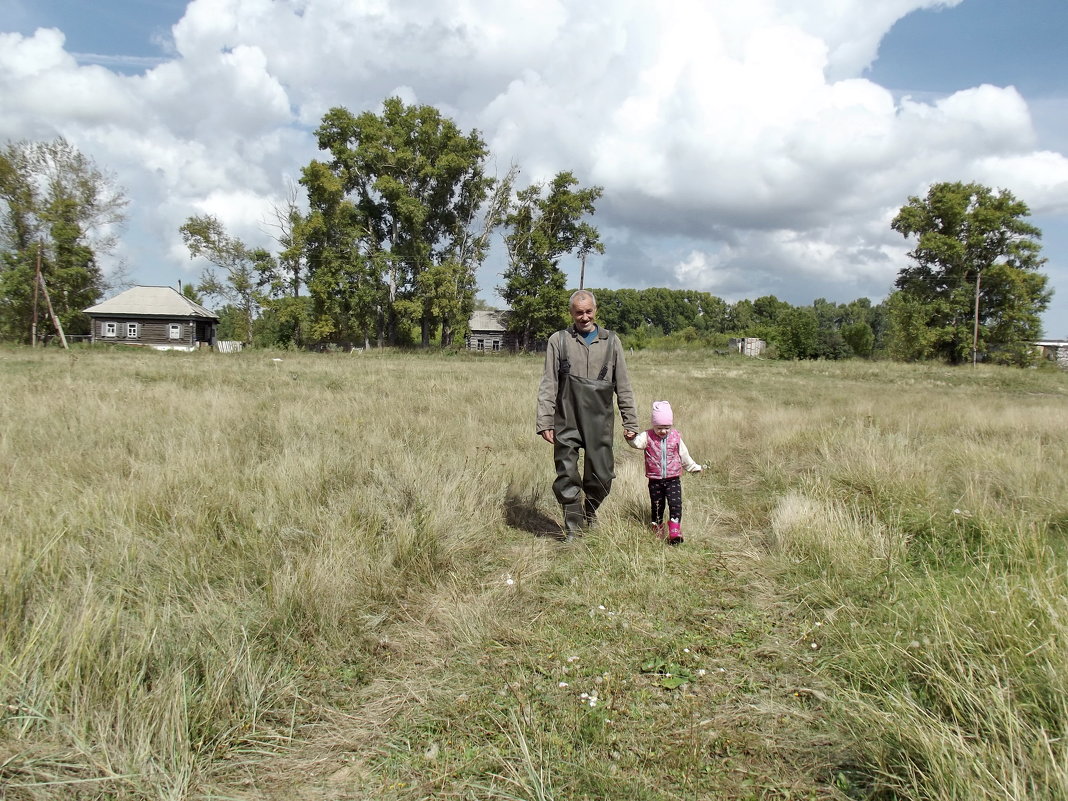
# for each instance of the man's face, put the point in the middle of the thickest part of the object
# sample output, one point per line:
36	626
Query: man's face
584	312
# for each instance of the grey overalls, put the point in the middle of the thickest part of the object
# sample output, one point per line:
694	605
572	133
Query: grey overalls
584	419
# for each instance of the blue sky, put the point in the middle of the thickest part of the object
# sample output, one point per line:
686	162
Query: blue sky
743	151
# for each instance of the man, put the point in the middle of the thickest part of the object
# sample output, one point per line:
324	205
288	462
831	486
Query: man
584	367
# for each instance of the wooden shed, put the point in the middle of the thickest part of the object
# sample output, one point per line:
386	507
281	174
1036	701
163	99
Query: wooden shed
747	346
157	317
489	332
1055	350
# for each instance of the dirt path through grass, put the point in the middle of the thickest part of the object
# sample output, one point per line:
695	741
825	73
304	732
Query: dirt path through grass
615	668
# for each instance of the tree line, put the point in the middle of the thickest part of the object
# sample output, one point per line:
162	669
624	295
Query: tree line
400	211
685	318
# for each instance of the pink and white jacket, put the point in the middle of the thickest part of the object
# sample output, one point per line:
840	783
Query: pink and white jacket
665	457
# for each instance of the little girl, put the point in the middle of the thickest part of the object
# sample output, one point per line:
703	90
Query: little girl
665	458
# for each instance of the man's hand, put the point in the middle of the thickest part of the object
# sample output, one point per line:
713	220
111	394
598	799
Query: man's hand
628	434
548	435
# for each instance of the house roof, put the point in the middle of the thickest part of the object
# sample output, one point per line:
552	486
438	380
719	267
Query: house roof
487	320
159	301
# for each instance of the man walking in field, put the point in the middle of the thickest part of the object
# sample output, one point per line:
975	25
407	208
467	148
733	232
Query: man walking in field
584	368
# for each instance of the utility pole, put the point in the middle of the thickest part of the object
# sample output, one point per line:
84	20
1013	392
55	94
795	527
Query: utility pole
582	271
975	331
36	284
52	312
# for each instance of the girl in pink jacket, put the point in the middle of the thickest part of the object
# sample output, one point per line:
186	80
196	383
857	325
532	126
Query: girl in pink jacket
665	459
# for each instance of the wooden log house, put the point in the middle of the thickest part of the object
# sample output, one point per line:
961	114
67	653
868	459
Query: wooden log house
157	317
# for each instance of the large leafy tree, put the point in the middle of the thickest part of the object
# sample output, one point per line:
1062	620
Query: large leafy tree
970	241
57	206
412	184
546	222
345	268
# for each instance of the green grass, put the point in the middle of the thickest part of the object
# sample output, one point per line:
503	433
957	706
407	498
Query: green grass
278	575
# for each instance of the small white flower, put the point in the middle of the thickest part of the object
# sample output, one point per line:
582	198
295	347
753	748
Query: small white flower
701	672
510	582
686	650
593	702
601	606
957	512
584	695
572	659
818	624
813	645
562	684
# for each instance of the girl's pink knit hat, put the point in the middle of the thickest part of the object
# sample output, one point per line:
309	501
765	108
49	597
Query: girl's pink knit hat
662	413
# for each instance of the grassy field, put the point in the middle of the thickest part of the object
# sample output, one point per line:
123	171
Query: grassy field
299	576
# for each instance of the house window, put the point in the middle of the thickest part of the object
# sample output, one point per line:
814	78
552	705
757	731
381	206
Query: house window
496	345
132	330
176	331
109	329
481	344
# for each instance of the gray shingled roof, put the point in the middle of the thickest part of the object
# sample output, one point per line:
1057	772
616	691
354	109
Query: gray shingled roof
160	301
487	320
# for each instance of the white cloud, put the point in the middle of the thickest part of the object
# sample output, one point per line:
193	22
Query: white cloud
740	148
1039	179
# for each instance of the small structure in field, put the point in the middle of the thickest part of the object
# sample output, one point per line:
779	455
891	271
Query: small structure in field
747	346
1056	350
157	317
489	332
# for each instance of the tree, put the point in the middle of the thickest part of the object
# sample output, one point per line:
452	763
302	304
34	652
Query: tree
860	338
345	272
290	265
768	309
282	323
975	272
741	317
413	184
451	285
910	336
620	310
545	223
242	267
798	334
58	204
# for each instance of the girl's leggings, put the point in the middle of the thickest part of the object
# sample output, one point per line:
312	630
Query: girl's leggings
667	490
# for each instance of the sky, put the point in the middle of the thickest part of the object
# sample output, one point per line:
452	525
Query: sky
744	149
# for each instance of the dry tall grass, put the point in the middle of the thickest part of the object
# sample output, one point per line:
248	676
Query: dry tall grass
208	562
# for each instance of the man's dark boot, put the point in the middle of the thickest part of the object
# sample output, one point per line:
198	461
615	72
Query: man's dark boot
573	520
589	513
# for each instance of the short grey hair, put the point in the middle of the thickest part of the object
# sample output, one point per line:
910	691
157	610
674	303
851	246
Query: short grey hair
581	294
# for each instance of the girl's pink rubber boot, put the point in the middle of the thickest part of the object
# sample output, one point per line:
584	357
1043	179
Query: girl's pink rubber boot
674	533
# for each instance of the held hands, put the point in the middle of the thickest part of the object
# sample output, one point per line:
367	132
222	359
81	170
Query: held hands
550	436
